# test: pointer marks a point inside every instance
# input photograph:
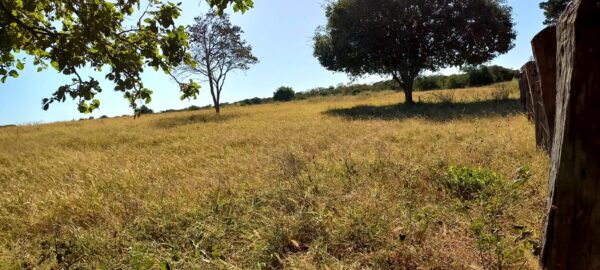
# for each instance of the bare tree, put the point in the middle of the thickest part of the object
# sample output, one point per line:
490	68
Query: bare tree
217	49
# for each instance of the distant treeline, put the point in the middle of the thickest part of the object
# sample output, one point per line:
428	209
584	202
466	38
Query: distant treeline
470	77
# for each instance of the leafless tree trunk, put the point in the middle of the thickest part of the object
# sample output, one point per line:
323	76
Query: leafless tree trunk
217	49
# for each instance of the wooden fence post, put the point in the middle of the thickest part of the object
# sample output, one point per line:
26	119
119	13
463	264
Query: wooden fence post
528	99
537	107
524	88
571	238
544	51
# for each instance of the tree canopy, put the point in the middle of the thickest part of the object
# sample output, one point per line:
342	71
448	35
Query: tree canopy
553	9
122	36
284	94
217	49
238	5
402	38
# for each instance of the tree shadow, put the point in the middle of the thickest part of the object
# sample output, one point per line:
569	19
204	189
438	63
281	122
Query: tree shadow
430	111
173	122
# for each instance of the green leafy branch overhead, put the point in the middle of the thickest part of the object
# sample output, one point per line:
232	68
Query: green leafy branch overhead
122	36
238	5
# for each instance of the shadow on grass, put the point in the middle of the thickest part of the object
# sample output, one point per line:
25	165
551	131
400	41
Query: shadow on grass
173	122
430	111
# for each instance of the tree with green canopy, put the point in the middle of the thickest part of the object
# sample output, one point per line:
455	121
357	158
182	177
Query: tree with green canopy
403	38
284	94
553	9
123	36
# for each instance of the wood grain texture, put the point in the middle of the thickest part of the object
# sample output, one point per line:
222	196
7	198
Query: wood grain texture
528	99
544	51
523	90
537	106
572	229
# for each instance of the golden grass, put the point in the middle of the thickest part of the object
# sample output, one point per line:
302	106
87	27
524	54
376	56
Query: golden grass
321	183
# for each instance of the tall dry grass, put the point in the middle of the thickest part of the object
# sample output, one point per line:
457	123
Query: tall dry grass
339	182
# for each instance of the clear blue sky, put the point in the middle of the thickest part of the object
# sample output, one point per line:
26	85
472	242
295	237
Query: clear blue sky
280	32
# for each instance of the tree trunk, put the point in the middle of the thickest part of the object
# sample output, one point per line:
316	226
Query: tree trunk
408	91
408	94
218	102
217	105
407	88
214	95
544	50
572	236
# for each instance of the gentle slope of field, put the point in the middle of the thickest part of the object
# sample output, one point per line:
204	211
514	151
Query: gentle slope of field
340	182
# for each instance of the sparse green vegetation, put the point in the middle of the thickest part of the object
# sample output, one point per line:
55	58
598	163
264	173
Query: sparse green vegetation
470	183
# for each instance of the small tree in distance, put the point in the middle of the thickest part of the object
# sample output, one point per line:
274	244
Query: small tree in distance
403	38
144	110
284	94
217	49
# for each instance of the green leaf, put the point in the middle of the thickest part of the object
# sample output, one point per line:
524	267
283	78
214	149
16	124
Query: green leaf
55	65
39	69
20	65
14	74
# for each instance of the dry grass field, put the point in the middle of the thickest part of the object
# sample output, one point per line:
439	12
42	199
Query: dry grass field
353	182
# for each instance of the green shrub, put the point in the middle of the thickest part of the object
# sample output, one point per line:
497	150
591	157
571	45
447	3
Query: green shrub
502	74
284	93
469	183
502	246
145	110
252	101
457	81
433	82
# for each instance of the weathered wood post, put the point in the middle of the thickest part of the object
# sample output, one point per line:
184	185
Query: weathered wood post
544	51
537	107
528	99
523	88
572	230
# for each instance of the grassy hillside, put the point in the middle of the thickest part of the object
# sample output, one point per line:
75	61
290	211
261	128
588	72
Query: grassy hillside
339	182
